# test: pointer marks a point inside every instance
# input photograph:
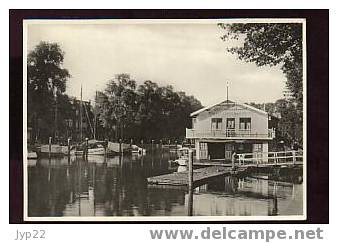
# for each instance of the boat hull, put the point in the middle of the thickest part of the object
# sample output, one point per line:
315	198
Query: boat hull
182	162
32	155
96	152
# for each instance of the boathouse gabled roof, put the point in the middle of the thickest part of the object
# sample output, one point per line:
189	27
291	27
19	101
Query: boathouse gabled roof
226	102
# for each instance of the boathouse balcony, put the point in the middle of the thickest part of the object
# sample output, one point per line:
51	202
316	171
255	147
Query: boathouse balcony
228	134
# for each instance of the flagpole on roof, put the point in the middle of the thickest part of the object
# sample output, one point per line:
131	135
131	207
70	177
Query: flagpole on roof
227	91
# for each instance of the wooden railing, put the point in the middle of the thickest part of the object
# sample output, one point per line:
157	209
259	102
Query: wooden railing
229	133
271	158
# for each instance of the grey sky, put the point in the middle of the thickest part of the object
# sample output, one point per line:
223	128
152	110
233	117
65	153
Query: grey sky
191	57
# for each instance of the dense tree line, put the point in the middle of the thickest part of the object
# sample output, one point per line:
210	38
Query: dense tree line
147	111
290	127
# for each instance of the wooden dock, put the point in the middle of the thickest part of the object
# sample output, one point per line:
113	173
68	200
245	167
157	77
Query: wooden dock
217	169
200	176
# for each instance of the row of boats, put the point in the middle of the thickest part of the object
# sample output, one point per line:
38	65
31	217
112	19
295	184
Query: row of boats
100	148
93	148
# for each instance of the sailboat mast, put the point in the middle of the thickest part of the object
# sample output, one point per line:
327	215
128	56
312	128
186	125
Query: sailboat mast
81	115
95	115
55	115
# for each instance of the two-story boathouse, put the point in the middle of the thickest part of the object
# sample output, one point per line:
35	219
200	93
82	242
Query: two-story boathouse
220	129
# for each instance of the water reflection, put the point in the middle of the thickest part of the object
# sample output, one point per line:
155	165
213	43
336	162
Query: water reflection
117	187
248	196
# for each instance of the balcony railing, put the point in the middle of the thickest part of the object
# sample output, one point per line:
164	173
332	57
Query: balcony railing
229	133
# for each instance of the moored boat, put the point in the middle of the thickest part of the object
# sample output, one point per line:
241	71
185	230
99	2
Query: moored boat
53	150
32	155
95	148
92	151
137	150
182	161
183	158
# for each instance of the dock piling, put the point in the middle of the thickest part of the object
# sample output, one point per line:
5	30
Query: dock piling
120	146
142	146
233	159
49	146
105	147
191	181
68	144
86	156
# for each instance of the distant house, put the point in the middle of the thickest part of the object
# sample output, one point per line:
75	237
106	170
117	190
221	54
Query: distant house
226	127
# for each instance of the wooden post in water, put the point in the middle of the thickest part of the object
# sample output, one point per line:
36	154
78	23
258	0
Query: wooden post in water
142	146
176	146
233	159
120	146
191	183
94	172
86	148
68	144
105	147
152	145
49	146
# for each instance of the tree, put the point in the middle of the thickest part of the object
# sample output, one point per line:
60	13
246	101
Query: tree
147	111
289	124
118	105
46	79
271	44
274	44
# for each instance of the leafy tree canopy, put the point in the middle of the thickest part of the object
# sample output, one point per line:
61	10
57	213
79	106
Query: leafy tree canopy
46	81
45	71
128	110
271	44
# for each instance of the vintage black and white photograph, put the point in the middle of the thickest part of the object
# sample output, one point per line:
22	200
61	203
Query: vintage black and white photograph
137	119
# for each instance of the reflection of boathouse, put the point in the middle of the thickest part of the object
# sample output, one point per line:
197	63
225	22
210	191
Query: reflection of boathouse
225	127
247	196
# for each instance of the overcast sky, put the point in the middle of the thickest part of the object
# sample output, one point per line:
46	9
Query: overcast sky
190	57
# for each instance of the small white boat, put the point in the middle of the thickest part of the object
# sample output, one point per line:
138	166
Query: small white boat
183	156
182	168
32	155
137	150
175	148
182	161
98	150
53	150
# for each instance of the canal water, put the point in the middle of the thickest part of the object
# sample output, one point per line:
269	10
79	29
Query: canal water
117	187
